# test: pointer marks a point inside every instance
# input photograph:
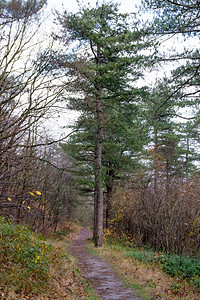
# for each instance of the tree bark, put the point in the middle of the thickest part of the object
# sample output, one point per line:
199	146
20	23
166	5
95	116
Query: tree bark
109	191
108	205
98	199
187	162
167	178
156	167
98	195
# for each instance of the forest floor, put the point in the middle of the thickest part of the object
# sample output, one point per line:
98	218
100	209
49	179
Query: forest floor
98	272
75	269
114	276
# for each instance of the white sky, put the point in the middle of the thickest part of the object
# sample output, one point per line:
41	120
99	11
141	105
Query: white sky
72	6
66	118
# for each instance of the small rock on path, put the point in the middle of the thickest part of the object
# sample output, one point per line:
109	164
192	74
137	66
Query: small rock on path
98	272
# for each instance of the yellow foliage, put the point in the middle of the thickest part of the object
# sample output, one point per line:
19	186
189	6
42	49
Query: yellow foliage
32	194
9	199
28	208
38	193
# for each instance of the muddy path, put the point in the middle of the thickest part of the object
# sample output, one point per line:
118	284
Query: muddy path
98	272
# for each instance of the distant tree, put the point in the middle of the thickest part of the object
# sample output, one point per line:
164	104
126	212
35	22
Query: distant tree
190	142
167	134
178	20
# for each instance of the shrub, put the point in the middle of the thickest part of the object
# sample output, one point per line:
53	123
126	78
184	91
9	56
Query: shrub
24	259
167	222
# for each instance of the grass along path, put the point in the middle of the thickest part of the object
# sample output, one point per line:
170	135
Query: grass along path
36	268
32	267
98	271
147	278
67	281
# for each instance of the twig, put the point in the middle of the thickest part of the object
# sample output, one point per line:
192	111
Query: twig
54	277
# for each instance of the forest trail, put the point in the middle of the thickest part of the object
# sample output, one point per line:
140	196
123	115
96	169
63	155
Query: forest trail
98	272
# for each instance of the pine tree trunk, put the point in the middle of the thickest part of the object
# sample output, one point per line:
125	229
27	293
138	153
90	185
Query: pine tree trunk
98	230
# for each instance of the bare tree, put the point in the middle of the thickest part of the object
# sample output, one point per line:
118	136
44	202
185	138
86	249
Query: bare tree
26	96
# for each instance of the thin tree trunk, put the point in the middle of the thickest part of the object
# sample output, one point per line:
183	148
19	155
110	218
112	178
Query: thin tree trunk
108	205
167	178
95	213
27	158
187	162
156	166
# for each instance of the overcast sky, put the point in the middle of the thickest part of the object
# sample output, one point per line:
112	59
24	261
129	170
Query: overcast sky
71	5
126	6
68	117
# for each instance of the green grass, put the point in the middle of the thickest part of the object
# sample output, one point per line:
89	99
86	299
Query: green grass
25	259
115	248
90	292
183	267
31	266
144	256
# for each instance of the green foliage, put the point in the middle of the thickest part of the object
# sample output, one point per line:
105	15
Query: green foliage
175	287
104	63
183	266
145	256
180	92
25	260
174	16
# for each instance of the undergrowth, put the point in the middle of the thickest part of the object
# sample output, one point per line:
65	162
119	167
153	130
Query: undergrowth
25	259
182	267
33	267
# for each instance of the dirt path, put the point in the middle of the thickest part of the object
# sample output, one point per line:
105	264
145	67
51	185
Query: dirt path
98	272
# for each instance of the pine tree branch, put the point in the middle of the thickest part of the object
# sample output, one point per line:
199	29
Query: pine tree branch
184	5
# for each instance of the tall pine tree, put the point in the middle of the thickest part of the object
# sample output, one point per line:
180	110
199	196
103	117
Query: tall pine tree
102	63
